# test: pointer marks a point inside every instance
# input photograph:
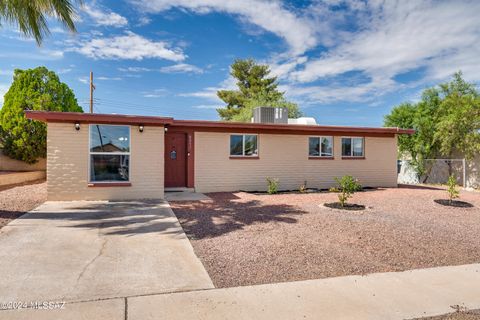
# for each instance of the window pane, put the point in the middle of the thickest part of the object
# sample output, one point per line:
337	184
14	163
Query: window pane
357	147
109	138
236	145
313	146
104	167
327	147
346	147
251	145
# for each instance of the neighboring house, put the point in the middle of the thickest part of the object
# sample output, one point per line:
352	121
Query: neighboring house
100	156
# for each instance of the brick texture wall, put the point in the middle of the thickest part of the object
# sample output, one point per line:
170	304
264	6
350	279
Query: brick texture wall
68	161
286	157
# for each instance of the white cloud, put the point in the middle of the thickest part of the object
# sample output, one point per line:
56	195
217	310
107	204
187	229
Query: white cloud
208	106
103	17
83	80
403	36
181	68
102	78
271	16
3	89
129	46
209	93
157	93
176	68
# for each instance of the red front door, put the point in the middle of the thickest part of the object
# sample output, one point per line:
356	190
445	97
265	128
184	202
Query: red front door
175	160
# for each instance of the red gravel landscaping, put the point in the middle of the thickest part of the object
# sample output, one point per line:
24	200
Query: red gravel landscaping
245	239
17	200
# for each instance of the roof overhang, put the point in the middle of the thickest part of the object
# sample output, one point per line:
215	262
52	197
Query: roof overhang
213	126
240	127
78	117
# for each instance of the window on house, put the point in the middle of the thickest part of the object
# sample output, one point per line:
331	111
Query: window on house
320	146
109	153
243	145
353	147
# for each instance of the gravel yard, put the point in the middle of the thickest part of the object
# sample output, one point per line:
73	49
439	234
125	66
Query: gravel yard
246	239
15	201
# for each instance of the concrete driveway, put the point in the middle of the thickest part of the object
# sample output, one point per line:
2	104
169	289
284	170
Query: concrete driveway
84	251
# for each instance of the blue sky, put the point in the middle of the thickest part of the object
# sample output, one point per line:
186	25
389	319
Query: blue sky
344	62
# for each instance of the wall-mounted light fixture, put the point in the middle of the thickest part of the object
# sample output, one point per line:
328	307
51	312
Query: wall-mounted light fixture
166	129
140	128
77	126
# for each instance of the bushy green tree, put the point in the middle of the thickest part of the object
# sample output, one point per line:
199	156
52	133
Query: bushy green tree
446	120
31	16
32	89
255	89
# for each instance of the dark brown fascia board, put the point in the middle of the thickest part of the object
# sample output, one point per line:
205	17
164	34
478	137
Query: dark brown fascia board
73	117
217	126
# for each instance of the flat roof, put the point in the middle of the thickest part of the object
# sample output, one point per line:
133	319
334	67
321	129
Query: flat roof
212	126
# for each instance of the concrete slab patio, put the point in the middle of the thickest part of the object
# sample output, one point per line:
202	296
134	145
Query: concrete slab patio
83	251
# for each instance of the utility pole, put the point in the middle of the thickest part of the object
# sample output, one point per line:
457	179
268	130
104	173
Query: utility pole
92	87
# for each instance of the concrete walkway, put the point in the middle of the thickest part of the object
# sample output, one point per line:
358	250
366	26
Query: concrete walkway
401	295
85	250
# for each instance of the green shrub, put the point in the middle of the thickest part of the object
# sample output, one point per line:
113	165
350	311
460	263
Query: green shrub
452	188
272	185
347	185
303	187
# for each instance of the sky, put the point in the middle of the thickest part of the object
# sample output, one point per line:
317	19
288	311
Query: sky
343	62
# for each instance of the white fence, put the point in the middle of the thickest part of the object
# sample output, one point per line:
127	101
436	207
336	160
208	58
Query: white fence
437	172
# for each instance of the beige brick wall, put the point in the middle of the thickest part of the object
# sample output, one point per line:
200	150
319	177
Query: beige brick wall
68	160
286	157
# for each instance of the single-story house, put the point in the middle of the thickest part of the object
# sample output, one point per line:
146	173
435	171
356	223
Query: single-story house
114	157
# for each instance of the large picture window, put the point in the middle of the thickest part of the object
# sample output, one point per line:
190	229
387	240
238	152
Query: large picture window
353	147
109	153
320	147
243	145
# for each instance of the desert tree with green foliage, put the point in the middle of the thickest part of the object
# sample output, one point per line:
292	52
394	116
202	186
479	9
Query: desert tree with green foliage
452	189
346	187
255	89
31	16
446	120
32	89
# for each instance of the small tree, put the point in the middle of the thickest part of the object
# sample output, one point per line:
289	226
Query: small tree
452	189
33	89
347	185
272	185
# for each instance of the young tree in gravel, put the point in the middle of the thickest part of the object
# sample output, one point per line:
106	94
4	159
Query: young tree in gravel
32	89
347	186
255	88
452	189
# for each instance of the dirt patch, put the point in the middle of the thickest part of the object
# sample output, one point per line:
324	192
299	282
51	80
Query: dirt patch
19	199
463	315
453	203
246	239
346	206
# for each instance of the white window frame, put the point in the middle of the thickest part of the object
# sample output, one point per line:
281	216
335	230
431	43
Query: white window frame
90	153
320	146
351	150
243	155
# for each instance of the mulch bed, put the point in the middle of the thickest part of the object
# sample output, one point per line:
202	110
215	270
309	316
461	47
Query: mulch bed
453	203
346	206
246	239
19	199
